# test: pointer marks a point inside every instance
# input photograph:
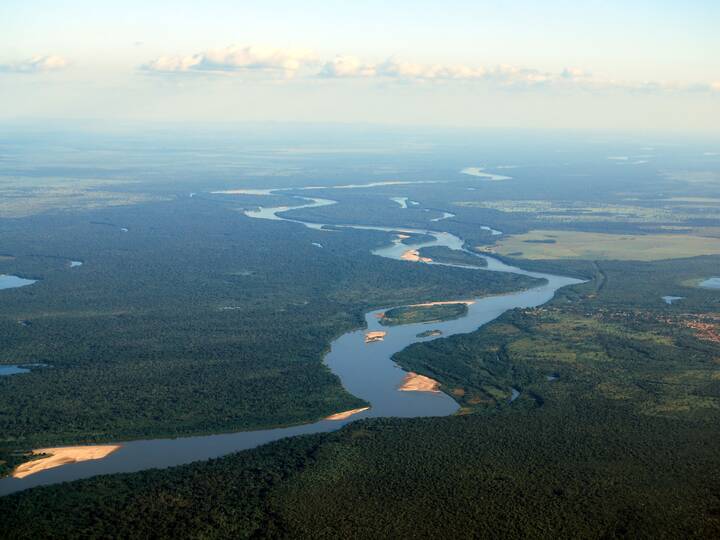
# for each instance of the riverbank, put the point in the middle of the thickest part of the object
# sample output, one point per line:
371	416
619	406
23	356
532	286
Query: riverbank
366	372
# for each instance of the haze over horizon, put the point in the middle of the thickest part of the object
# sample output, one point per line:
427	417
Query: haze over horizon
598	66
360	270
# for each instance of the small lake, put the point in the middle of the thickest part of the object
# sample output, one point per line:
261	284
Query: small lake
711	283
12	370
492	231
7	370
13	282
445	215
402	201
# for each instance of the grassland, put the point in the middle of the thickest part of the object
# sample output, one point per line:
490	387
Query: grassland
23	196
555	244
696	178
629	211
420	314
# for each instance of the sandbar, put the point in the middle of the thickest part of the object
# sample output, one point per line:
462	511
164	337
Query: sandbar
371	337
66	455
346	414
444	303
419	383
414	256
479	172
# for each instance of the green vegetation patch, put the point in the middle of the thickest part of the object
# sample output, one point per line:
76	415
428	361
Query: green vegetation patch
414	239
22	196
633	210
613	337
422	314
444	254
556	244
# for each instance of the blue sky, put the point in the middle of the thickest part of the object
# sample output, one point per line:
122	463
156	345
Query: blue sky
597	65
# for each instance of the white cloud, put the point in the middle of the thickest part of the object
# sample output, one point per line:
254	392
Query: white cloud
347	66
36	64
350	66
409	70
291	62
504	76
236	59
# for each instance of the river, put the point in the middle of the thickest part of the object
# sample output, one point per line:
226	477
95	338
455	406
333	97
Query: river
366	370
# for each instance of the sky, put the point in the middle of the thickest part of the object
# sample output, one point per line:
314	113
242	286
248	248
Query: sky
641	65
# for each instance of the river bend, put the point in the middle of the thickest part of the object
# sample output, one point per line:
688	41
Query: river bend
365	370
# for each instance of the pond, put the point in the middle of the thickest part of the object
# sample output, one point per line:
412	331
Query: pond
6	370
13	282
711	283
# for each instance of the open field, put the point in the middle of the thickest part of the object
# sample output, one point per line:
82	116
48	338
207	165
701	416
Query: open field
631	210
550	244
695	178
22	196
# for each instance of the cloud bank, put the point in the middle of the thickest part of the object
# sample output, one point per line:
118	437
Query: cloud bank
36	64
344	67
267	61
235	59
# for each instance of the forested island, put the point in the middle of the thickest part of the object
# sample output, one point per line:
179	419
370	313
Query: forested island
423	313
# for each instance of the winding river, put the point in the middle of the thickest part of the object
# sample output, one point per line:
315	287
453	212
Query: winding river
365	369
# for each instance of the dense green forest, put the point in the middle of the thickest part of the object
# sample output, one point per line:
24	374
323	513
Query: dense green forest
614	435
616	319
575	468
197	319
